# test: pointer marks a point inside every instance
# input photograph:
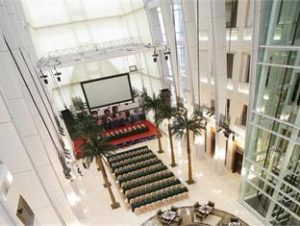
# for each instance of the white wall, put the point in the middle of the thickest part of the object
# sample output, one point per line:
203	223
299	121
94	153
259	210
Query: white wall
26	147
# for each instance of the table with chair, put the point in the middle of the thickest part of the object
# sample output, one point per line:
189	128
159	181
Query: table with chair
198	214
169	217
201	211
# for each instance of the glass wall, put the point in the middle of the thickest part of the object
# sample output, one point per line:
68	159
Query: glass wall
271	168
181	50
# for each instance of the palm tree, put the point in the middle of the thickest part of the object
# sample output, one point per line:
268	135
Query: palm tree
86	126
168	112
154	104
183	126
95	148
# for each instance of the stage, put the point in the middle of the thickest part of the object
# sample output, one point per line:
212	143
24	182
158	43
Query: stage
136	137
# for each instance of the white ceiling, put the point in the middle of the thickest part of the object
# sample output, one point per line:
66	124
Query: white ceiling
45	13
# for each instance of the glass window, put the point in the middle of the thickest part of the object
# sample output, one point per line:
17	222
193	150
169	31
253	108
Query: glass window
230	59
287	27
245	74
228	108
244	115
278	93
249	13
231	13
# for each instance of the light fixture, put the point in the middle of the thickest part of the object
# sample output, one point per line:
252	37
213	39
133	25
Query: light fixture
155	55
167	53
44	77
57	74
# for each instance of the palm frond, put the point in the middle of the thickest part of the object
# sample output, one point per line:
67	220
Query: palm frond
183	123
95	147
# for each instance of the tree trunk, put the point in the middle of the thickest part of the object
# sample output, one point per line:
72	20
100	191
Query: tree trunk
160	150
173	163
114	204
103	171
98	168
190	179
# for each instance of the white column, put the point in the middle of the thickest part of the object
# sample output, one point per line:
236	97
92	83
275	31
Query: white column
218	18
26	147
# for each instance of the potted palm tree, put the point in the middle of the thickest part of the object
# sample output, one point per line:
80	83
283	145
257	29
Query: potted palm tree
167	112
95	148
154	104
182	127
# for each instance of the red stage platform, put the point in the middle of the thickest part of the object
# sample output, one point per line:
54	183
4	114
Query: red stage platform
125	141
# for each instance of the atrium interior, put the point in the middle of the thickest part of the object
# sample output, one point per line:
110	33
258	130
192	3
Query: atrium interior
149	112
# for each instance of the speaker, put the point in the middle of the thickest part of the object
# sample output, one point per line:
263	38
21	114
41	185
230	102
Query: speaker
165	95
69	121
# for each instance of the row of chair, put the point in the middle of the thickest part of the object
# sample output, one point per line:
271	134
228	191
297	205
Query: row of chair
160	203
146	179
151	189
141	172
136	166
128	154
131	160
157	195
150	185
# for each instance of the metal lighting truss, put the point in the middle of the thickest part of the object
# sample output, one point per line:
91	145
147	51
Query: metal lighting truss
94	52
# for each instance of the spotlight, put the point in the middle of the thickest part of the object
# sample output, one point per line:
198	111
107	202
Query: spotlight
155	55
226	134
57	74
44	77
167	53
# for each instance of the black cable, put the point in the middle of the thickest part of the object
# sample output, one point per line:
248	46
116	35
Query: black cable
58	88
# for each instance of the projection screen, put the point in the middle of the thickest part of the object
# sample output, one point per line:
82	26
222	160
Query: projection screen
107	91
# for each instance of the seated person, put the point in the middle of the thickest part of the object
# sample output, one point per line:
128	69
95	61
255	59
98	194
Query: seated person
94	114
106	120
119	118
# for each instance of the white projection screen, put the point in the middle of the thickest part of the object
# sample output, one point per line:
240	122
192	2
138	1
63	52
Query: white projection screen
107	91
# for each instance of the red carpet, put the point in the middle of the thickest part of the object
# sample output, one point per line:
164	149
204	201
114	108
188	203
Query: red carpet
151	133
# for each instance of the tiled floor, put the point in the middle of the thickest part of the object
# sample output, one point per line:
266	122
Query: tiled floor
223	190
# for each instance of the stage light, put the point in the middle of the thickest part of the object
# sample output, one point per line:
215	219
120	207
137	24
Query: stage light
57	74
155	55
167	53
44	77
